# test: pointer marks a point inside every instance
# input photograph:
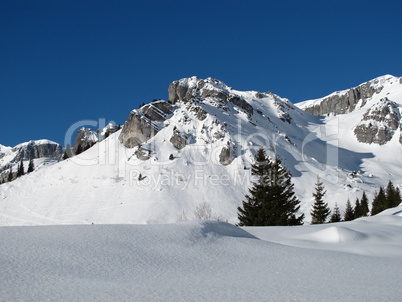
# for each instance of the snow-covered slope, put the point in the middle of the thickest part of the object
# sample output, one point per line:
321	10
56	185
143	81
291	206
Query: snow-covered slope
171	157
203	261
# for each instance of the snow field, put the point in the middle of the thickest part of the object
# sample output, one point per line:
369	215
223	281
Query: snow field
191	261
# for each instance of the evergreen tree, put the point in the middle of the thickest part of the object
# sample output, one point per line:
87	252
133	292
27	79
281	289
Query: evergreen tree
349	214
271	200
281	204
393	196
67	152
79	150
364	205
357	209
171	157
31	166
336	214
379	202
320	210
10	174
21	169
249	213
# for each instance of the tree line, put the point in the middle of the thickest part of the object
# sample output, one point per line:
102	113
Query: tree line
11	175
271	200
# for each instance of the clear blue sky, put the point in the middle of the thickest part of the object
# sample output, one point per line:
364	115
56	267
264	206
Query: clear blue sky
66	61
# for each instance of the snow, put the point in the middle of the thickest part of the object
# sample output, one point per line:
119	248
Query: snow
203	261
8	154
36	142
90	229
101	185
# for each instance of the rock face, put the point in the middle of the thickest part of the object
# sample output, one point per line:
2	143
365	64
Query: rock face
345	101
144	123
178	140
379	123
157	110
226	156
190	89
87	137
37	149
142	154
136	130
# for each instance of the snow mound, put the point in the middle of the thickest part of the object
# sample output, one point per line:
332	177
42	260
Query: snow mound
335	235
189	261
223	229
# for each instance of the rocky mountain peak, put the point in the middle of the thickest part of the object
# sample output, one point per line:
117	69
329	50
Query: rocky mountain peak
379	123
188	88
348	100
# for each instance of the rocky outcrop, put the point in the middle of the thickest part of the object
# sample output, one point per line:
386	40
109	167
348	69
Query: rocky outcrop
178	140
137	130
87	137
142	154
144	123
226	156
345	101
200	113
157	110
240	102
37	149
192	89
379	123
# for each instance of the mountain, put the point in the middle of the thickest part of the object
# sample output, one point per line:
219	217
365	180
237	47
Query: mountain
194	152
87	137
44	152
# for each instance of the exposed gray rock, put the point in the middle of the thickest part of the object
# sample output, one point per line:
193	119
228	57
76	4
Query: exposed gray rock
215	92
142	153
182	90
141	125
85	139
379	123
400	80
37	149
200	113
137	130
340	103
259	95
157	110
194	89
240	102
226	156
178	140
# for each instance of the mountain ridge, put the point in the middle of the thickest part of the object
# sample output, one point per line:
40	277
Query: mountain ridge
197	148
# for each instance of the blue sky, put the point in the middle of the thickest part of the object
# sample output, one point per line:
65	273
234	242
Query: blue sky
66	61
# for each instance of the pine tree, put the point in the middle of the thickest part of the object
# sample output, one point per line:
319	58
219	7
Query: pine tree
271	200
336	214
31	166
379	202
21	169
79	150
393	196
357	209
10	175
349	214
364	205
320	210
249	213
67	152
